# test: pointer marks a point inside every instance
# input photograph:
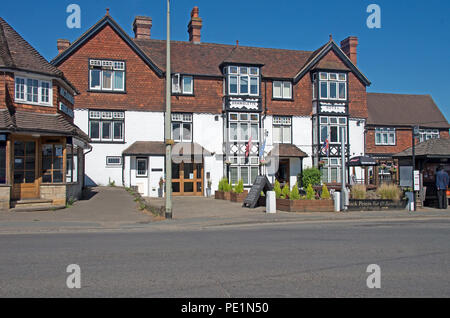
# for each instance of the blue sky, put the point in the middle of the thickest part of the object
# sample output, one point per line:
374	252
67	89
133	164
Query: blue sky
409	54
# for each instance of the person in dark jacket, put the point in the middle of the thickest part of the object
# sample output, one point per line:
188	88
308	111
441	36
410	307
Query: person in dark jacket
442	181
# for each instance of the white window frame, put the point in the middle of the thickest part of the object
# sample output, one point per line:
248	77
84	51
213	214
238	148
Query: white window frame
283	85
109	164
238	163
328	121
111	117
107	66
182	119
146	167
281	122
385	132
331	163
178	86
40	94
427	134
241	122
250	73
328	78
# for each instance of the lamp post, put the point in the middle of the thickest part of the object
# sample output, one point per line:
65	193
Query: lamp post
415	132
167	131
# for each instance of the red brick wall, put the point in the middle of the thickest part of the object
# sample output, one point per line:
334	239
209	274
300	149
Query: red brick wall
444	134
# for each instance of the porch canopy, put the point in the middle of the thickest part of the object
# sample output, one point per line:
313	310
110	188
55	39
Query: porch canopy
180	151
361	161
288	150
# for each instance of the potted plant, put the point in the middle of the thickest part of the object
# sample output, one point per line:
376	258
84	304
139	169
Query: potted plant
227	188
239	194
220	192
161	188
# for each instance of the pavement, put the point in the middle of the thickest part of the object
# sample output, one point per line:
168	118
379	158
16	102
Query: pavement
113	209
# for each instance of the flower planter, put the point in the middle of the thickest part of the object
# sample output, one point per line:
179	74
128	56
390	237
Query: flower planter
305	205
219	195
238	197
227	196
376	205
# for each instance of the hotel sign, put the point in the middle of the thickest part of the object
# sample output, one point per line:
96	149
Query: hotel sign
236	103
339	108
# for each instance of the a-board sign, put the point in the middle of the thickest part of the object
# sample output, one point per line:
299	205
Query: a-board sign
261	184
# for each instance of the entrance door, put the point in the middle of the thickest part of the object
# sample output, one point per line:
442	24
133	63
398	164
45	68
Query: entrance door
25	170
187	179
283	173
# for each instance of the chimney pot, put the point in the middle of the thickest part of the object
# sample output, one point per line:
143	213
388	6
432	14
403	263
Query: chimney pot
195	26
349	47
142	27
62	45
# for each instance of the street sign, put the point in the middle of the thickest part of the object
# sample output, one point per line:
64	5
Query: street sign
416	180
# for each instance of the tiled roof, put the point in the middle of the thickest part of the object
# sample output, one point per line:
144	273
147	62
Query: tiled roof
28	121
16	53
404	110
430	148
205	58
289	150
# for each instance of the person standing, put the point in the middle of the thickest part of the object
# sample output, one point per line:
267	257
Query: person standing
442	181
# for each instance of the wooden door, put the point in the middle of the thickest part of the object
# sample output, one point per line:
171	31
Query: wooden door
187	179
25	169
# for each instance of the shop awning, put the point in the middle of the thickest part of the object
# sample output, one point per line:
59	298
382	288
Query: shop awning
361	161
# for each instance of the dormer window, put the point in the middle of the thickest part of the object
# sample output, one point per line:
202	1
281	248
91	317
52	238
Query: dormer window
182	84
332	86
242	80
282	90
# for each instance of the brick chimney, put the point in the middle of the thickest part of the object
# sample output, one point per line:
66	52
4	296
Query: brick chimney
349	46
195	26
62	45
142	27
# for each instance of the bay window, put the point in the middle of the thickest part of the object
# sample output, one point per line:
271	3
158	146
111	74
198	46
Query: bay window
52	163
331	86
282	128
244	169
243	126
182	127
330	129
107	75
243	80
331	170
106	126
33	91
385	136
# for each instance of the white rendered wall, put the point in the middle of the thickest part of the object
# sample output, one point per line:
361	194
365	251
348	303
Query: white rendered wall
139	126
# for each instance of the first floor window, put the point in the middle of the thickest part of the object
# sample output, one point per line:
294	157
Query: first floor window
52	163
385	136
330	129
243	126
282	129
242	80
332	85
106	125
182	84
182	127
141	167
282	90
30	90
106	75
426	134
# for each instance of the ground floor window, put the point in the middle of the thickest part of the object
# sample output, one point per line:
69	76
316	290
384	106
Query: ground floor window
243	168
72	165
330	170
24	161
141	167
52	163
2	162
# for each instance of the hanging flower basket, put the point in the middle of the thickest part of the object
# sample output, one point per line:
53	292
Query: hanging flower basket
263	162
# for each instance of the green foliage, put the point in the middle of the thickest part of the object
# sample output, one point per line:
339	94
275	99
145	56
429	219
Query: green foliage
358	192
277	189
223	184
285	192
310	193
325	193
239	188
295	195
311	176
111	183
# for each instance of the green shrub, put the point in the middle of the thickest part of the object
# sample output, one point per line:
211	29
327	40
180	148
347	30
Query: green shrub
389	192
311	176
239	188
310	193
277	189
227	187
325	193
285	192
358	192
295	195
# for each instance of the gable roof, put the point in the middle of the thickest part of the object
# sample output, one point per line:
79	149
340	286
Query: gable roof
315	61
404	110
18	54
106	20
206	58
432	148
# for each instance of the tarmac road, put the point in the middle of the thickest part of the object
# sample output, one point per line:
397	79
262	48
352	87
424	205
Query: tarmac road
279	260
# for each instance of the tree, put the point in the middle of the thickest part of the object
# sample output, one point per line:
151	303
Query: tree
325	193
295	195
